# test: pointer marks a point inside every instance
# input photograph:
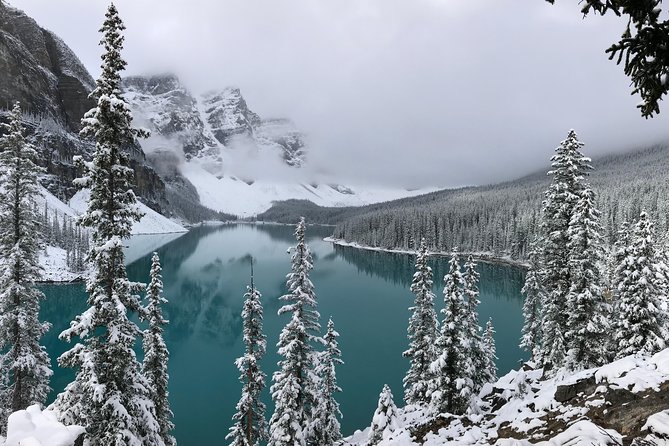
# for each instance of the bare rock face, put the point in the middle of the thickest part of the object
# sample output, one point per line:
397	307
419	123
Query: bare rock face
41	72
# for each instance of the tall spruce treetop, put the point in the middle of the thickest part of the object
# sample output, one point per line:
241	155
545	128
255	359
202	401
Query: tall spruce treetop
587	320
534	295
109	396
325	425
250	426
293	389
641	323
156	355
25	368
570	167
452	385
422	332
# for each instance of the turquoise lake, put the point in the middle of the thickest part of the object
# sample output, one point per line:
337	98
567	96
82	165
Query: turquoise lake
365	292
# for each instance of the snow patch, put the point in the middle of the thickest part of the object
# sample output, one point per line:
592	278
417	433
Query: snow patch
36	427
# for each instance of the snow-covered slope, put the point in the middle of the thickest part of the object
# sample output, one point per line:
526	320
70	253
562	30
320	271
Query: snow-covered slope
246	198
151	223
611	405
238	162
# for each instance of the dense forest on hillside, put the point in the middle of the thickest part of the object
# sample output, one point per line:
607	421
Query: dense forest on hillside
500	218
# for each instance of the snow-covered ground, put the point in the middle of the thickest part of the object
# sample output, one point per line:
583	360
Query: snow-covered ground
35	427
150	233
529	410
486	257
234	196
151	223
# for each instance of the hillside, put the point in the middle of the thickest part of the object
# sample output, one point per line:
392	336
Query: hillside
500	219
621	403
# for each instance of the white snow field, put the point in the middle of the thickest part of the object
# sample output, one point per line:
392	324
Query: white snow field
150	233
35	427
233	196
151	223
523	400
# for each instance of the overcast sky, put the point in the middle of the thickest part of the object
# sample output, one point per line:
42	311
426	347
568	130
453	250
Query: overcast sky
410	92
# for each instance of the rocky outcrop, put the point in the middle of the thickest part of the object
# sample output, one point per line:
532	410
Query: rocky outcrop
210	126
624	403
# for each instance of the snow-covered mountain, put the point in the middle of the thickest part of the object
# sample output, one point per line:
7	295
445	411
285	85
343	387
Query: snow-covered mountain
237	161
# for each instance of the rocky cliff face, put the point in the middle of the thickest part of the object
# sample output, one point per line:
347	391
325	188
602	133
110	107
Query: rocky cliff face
209	126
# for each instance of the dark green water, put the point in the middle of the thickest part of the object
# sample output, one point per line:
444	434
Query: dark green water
366	293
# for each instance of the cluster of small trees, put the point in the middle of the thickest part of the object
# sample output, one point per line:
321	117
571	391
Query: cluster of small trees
586	305
451	361
114	397
304	388
64	232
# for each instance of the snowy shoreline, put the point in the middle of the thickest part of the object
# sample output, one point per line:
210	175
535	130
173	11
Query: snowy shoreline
485	257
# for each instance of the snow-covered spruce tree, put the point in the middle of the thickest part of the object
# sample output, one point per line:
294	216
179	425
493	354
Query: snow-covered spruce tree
384	421
325	426
481	374
108	396
452	385
23	361
587	311
490	352
640	323
293	390
422	333
156	355
250	425
533	292
569	167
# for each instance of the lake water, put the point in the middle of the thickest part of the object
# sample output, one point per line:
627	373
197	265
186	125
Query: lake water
366	293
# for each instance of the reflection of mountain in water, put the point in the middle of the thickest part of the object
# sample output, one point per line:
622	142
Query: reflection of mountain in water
280	233
496	280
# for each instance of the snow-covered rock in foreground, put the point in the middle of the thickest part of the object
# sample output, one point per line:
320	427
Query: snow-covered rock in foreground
151	223
622	403
36	427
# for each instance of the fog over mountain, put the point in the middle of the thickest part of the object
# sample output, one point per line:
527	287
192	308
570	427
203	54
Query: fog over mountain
419	93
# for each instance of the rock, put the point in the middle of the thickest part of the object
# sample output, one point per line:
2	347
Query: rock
568	392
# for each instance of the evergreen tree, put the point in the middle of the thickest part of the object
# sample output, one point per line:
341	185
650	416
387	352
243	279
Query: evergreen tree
476	351
325	426
109	396
587	319
490	353
453	369
533	292
569	169
384	422
422	333
24	363
250	426
293	389
156	355
640	325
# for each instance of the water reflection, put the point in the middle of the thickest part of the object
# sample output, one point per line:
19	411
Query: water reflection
367	293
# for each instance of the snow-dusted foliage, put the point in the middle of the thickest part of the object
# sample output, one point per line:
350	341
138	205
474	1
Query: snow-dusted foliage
587	319
422	333
569	167
325	427
250	426
481	375
533	294
489	353
640	285
156	355
384	421
452	385
293	389
109	396
25	368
